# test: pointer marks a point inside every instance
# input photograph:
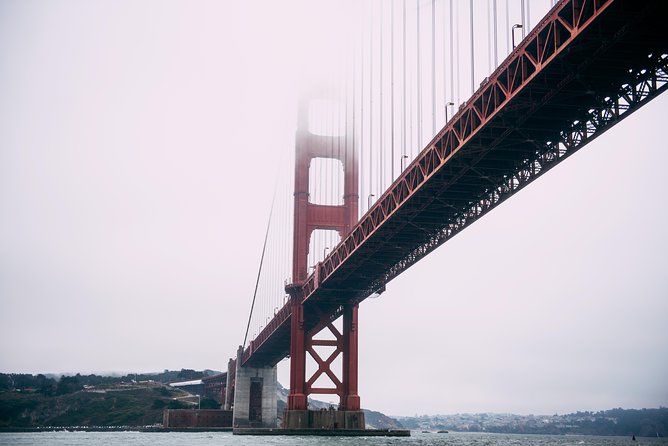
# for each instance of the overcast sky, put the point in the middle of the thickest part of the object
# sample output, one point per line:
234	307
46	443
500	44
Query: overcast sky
138	144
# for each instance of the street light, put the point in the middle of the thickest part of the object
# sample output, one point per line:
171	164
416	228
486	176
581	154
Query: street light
449	104
405	157
369	201
515	26
324	252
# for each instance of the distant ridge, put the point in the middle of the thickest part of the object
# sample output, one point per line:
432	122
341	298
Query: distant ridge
613	422
133	399
28	401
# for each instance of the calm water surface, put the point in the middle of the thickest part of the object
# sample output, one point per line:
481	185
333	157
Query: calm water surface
226	438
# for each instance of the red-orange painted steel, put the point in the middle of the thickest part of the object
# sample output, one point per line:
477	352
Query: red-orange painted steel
350	399
307	218
297	399
586	66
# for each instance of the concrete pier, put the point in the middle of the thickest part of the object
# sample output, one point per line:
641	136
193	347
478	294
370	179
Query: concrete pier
255	402
323	419
196	419
325	432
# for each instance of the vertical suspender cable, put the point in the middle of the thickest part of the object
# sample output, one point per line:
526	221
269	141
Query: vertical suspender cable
457	54
496	43
433	67
411	112
353	135
445	58
370	102
286	238
472	50
419	84
340	107
327	162
361	143
335	141
412	108
281	243
523	22
392	92
489	37
332	163
452	56
274	269
508	49
403	132
350	132
318	190
336	147
381	157
528	16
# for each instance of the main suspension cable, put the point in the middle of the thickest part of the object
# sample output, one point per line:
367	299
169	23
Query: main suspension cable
257	281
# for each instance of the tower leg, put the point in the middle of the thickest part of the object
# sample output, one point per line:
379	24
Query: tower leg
350	400
353	416
297	396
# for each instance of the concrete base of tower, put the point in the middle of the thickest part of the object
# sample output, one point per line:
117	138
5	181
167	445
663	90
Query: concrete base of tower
255	402
323	419
325	432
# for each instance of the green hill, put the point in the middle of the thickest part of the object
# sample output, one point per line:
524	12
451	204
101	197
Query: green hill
34	401
37	401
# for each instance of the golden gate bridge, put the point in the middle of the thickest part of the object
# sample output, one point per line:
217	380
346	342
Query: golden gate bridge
434	114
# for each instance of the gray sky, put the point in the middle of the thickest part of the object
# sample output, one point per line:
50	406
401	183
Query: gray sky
138	144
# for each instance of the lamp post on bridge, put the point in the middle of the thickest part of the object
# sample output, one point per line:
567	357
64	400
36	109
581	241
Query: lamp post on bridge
369	201
512	31
449	104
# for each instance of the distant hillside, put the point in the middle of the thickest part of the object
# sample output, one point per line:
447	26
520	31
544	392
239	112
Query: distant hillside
130	400
139	399
67	383
91	400
132	405
627	422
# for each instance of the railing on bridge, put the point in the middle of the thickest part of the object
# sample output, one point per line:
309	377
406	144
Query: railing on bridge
281	318
563	24
529	86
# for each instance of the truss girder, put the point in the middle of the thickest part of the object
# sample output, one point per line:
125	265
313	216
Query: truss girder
585	67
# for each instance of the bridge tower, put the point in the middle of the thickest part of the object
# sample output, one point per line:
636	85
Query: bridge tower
308	217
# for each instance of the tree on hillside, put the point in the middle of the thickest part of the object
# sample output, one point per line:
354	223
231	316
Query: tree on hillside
69	384
189	374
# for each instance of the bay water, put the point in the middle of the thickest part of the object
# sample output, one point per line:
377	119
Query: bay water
227	439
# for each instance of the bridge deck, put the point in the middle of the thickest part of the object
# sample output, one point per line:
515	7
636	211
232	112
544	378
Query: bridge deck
586	66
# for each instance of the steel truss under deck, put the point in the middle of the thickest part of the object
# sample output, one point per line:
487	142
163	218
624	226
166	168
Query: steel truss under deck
586	66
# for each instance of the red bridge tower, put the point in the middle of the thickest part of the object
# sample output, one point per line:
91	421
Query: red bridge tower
309	217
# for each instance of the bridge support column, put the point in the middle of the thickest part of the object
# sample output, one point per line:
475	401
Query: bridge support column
309	217
350	400
297	398
228	398
255	403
